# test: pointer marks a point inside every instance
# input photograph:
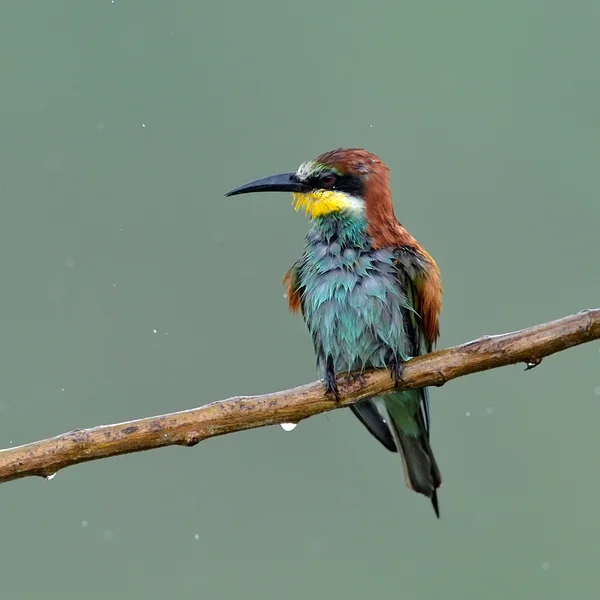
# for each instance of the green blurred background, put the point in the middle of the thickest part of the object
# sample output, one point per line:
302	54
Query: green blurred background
131	286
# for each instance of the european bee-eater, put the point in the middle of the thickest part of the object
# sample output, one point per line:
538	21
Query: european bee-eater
369	294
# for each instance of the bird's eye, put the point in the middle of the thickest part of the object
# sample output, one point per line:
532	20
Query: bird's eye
328	180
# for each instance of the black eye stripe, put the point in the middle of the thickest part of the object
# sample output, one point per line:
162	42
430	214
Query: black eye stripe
349	184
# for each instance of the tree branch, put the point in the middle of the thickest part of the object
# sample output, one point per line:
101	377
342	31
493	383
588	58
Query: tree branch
187	428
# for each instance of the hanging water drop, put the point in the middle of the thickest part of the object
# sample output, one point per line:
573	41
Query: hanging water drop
534	362
288	426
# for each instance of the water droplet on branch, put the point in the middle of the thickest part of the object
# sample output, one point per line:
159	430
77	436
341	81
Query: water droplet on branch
534	362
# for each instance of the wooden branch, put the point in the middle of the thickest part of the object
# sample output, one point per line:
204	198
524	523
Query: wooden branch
187	428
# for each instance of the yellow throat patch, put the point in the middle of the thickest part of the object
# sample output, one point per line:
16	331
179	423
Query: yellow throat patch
319	203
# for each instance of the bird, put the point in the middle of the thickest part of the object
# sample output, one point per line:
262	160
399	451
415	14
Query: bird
369	294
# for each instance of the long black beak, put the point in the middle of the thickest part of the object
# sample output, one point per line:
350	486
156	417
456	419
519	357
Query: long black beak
284	182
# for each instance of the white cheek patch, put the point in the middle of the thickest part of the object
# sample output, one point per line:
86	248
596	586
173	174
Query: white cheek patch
355	204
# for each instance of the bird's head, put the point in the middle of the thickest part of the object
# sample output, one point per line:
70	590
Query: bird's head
352	180
346	179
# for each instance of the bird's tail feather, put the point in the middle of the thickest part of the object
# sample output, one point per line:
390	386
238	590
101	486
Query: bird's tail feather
410	433
370	415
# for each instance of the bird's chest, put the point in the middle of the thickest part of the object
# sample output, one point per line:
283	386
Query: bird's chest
353	304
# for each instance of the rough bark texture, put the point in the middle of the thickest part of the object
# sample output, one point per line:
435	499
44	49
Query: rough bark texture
187	428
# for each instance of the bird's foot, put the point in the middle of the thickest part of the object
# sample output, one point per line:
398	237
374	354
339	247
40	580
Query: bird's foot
356	377
331	387
397	368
